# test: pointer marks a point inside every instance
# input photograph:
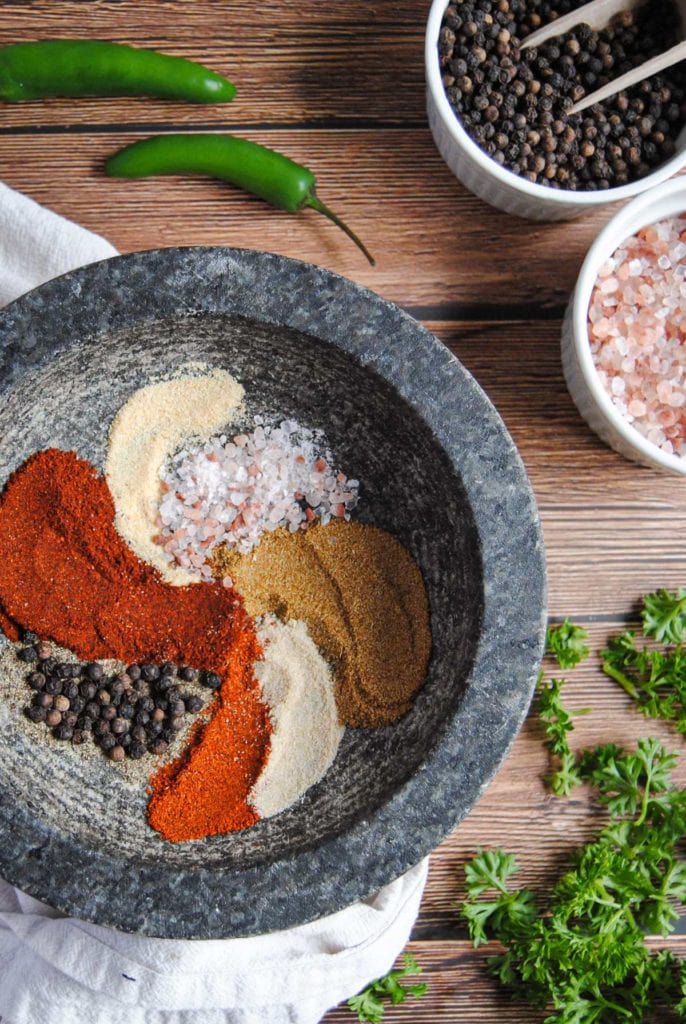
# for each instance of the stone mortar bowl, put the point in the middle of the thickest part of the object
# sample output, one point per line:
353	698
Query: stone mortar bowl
438	470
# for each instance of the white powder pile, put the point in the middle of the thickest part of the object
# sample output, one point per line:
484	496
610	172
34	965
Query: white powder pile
145	433
298	687
231	491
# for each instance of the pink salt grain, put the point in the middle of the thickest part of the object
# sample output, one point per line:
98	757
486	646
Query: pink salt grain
231	491
637	333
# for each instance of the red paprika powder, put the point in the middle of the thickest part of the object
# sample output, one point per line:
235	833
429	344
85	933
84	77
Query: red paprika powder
68	576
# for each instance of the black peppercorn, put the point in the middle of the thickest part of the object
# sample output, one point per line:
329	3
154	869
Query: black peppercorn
211	680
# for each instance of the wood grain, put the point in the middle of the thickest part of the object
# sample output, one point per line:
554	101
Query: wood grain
461	990
519	813
436	244
339	87
291	61
613	530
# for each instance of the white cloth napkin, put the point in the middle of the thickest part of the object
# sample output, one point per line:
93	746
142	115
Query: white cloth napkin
57	970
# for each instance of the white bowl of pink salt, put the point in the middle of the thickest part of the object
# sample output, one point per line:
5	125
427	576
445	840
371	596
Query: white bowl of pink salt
624	334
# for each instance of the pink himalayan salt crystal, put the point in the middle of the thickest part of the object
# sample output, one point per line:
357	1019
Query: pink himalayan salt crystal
637	332
232	490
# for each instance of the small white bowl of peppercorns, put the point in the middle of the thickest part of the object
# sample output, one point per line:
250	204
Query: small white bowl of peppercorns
498	112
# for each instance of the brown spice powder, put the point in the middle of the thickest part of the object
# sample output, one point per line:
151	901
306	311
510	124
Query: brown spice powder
363	599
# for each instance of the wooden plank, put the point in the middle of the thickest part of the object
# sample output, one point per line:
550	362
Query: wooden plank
520	814
434	241
613	529
291	61
460	989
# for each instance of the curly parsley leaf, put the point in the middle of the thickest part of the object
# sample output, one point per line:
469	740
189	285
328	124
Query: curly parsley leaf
566	643
558	723
582	953
627	783
507	910
655	679
664	616
368	1004
584	956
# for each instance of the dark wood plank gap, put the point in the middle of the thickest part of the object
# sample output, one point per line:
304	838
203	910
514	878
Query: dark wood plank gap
188	127
391	186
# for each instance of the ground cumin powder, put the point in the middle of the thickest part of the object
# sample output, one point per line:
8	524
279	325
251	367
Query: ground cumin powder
363	599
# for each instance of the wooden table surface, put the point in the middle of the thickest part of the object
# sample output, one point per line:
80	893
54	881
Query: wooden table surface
339	86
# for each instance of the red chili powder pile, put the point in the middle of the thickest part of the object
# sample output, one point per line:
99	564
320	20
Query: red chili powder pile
68	576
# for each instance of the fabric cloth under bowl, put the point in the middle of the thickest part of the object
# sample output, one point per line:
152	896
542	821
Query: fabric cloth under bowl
57	970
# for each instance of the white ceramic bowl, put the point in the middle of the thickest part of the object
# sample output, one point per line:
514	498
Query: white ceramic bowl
495	184
583	382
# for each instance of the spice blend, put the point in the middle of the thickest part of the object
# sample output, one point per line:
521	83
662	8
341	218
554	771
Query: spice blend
363	599
148	429
514	102
231	491
326	624
69	576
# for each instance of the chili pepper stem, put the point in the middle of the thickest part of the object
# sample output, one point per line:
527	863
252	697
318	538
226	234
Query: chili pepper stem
315	203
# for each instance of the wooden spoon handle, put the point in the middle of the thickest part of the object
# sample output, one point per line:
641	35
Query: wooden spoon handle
645	70
597	14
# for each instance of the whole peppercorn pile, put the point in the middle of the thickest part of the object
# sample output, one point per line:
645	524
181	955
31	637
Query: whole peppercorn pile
514	103
138	710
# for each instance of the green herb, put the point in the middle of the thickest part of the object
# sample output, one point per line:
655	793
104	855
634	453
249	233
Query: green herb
557	721
585	954
368	1004
655	679
664	616
566	643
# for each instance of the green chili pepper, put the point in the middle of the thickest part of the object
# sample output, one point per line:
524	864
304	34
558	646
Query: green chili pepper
257	169
89	67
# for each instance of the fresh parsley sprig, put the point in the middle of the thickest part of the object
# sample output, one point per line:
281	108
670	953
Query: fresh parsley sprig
664	616
558	723
585	954
368	1004
566	643
655	679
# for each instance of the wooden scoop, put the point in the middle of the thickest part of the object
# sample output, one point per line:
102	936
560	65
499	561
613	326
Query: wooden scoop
598	14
